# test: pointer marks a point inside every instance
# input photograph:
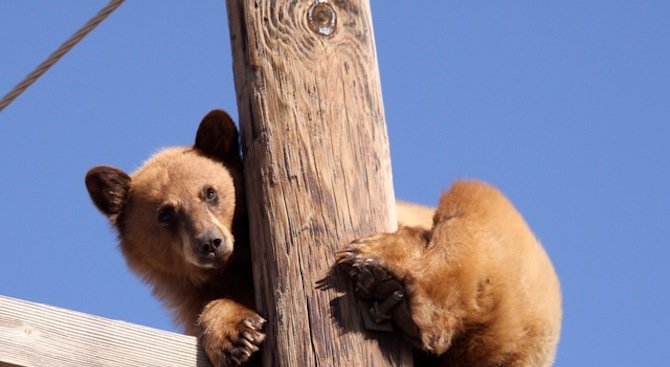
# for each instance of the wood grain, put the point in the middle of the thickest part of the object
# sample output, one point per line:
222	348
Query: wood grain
39	335
318	174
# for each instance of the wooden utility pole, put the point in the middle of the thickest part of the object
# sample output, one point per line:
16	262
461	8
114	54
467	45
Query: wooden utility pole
318	172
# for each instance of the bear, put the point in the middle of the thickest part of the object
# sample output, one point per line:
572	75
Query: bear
182	226
474	289
450	279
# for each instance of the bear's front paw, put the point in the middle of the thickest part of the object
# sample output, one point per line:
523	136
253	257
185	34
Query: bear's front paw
230	333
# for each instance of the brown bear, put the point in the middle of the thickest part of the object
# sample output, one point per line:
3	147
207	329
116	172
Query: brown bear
182	226
476	289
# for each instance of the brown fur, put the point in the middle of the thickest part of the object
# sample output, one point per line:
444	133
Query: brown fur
182	226
479	288
414	215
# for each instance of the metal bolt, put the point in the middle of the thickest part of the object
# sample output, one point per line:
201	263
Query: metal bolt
381	312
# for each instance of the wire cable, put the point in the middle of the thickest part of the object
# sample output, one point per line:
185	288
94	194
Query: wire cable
62	50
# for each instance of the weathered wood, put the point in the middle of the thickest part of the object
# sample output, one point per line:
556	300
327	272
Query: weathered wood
318	172
39	335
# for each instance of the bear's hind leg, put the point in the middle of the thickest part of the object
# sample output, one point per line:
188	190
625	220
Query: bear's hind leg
379	266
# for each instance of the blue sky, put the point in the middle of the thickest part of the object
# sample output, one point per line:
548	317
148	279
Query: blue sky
563	105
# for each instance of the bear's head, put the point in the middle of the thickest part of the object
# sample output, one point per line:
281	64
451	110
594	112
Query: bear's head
178	214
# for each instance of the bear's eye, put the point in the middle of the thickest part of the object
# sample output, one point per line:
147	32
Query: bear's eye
210	194
167	215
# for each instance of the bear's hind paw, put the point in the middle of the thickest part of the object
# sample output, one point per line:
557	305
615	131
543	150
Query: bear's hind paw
375	282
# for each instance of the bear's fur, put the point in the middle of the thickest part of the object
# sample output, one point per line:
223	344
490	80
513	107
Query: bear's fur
182	226
476	289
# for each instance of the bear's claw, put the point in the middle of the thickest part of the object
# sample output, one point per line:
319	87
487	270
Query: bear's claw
249	338
373	281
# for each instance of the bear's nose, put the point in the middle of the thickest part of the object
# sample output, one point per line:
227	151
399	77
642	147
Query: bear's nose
208	242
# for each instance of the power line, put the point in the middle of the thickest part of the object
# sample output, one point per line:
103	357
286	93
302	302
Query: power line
62	50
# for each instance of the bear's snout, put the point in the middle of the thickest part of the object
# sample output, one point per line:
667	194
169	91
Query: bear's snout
209	242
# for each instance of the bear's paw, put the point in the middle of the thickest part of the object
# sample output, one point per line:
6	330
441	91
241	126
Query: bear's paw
229	332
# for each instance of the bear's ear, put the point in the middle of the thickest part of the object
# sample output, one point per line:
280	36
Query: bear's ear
108	188
217	137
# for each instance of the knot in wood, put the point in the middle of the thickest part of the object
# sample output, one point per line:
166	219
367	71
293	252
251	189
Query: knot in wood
322	18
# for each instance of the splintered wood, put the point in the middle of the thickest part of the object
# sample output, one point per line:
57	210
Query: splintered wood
318	172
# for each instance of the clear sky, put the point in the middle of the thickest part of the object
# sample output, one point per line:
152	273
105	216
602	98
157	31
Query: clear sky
564	105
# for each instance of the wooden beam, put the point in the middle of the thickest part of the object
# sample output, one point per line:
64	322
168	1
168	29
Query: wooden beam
317	169
32	334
